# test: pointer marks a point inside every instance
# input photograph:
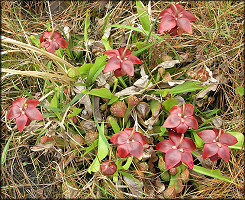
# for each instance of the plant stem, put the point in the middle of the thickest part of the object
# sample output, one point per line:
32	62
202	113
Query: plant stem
181	139
131	136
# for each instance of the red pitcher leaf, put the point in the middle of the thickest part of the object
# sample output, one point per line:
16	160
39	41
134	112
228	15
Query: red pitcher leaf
24	111
181	128
172	121
122	53
167	22
119	138
172	158
188	15
209	150
207	136
228	139
128	67
184	24
129	143
108	167
136	149
32	102
186	158
189	109
191	122
112	64
135	60
164	145
123	151
118	73
21	122
112	53
33	113
14	112
224	153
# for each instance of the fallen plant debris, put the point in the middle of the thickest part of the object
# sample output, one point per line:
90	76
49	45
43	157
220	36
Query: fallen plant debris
125	111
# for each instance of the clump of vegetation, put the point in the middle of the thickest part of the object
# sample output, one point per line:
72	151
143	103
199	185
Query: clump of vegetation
122	99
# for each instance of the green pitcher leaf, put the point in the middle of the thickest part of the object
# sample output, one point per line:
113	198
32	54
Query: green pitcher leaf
240	137
212	173
143	16
102	92
76	111
168	104
188	86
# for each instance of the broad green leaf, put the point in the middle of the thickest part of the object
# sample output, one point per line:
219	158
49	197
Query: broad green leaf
113	99
76	111
240	138
163	130
143	16
90	148
48	25
239	90
102	151
5	150
106	43
55	100
102	92
212	173
128	163
35	40
114	126
83	70
98	65
87	23
188	86
168	104
198	141
155	107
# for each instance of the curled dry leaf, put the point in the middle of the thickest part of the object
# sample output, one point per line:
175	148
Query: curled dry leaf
159	185
166	64
135	187
143	109
176	82
217	122
211	87
118	109
85	100
170	193
88	125
45	146
128	91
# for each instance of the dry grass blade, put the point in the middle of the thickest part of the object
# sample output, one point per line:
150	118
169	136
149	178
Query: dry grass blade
43	75
37	50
